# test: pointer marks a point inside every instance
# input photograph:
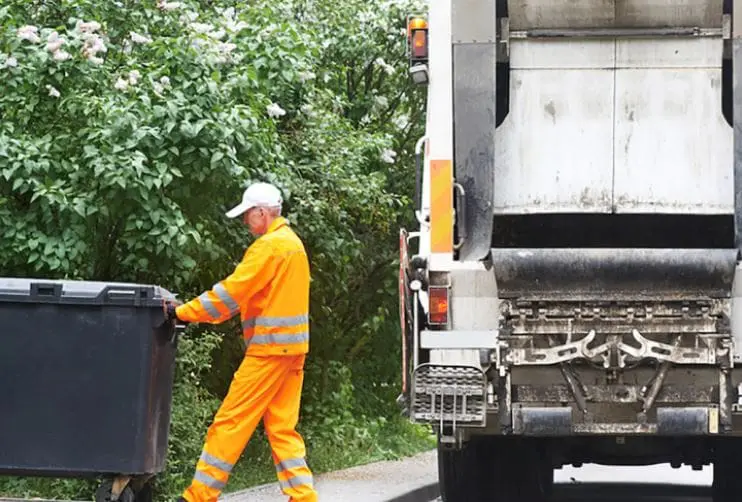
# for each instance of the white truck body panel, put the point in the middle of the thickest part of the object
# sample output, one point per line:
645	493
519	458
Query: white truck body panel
614	125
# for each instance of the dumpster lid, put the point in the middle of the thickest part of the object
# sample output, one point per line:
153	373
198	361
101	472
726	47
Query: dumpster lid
29	290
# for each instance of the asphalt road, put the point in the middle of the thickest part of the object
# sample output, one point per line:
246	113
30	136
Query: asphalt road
386	481
394	481
658	483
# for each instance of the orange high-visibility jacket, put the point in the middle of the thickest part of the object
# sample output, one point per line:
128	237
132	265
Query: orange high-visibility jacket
269	288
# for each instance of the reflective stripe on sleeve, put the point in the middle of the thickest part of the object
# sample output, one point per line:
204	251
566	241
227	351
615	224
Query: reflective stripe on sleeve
226	298
209	305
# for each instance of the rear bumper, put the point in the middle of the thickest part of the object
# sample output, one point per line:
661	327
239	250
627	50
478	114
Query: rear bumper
670	421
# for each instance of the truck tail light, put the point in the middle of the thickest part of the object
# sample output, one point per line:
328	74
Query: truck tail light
438	311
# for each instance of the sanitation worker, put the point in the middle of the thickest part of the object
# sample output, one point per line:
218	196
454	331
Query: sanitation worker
270	291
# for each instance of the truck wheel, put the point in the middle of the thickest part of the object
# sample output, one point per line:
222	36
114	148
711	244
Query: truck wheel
103	493
497	469
467	475
145	493
727	470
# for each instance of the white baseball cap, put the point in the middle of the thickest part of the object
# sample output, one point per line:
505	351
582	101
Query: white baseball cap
257	195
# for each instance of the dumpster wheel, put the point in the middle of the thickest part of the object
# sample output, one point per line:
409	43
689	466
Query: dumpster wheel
115	490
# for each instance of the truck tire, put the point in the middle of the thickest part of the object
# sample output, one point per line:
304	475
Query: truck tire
496	469
727	465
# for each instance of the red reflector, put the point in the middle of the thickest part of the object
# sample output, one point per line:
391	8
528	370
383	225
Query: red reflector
438	305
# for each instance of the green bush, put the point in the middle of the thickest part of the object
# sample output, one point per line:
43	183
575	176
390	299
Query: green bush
128	128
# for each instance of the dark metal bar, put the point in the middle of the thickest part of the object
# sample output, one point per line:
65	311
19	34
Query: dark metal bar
689	31
576	273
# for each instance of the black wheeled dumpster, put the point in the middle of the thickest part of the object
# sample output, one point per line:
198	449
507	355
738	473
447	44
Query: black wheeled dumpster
86	375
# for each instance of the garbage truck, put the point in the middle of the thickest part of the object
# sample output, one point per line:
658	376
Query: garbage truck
571	290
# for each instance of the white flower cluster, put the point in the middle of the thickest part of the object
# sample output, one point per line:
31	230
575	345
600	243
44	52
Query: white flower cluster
388	156
230	22
30	33
93	43
306	75
10	62
275	111
212	38
168	6
87	31
159	87
388	69
401	122
54	45
52	91
139	39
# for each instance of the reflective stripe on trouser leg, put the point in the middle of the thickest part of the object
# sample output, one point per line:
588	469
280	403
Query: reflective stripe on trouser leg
253	387
294	475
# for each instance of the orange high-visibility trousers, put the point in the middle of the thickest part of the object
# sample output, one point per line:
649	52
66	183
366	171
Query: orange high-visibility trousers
267	387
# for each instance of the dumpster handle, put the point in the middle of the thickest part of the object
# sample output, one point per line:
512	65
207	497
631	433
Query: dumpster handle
134	295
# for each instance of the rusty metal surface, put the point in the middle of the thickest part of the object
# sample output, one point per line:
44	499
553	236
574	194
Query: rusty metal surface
614	273
669	393
614	428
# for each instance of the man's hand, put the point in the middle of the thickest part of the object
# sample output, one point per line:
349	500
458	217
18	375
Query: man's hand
169	308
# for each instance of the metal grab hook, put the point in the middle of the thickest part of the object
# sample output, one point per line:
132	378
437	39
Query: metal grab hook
462	213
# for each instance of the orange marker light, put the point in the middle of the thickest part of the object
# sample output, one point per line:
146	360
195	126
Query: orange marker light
417	23
438	305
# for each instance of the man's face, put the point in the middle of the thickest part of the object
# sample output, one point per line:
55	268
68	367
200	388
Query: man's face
256	219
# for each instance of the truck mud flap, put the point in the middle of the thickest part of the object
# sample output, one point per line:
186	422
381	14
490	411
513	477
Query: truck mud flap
607	273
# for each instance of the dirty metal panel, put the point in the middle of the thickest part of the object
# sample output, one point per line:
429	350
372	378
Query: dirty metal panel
473	21
688	53
562	54
560	96
474	103
614	273
474	302
737	118
673	148
526	14
474	118
651	13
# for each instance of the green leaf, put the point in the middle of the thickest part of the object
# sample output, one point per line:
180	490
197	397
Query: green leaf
216	157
